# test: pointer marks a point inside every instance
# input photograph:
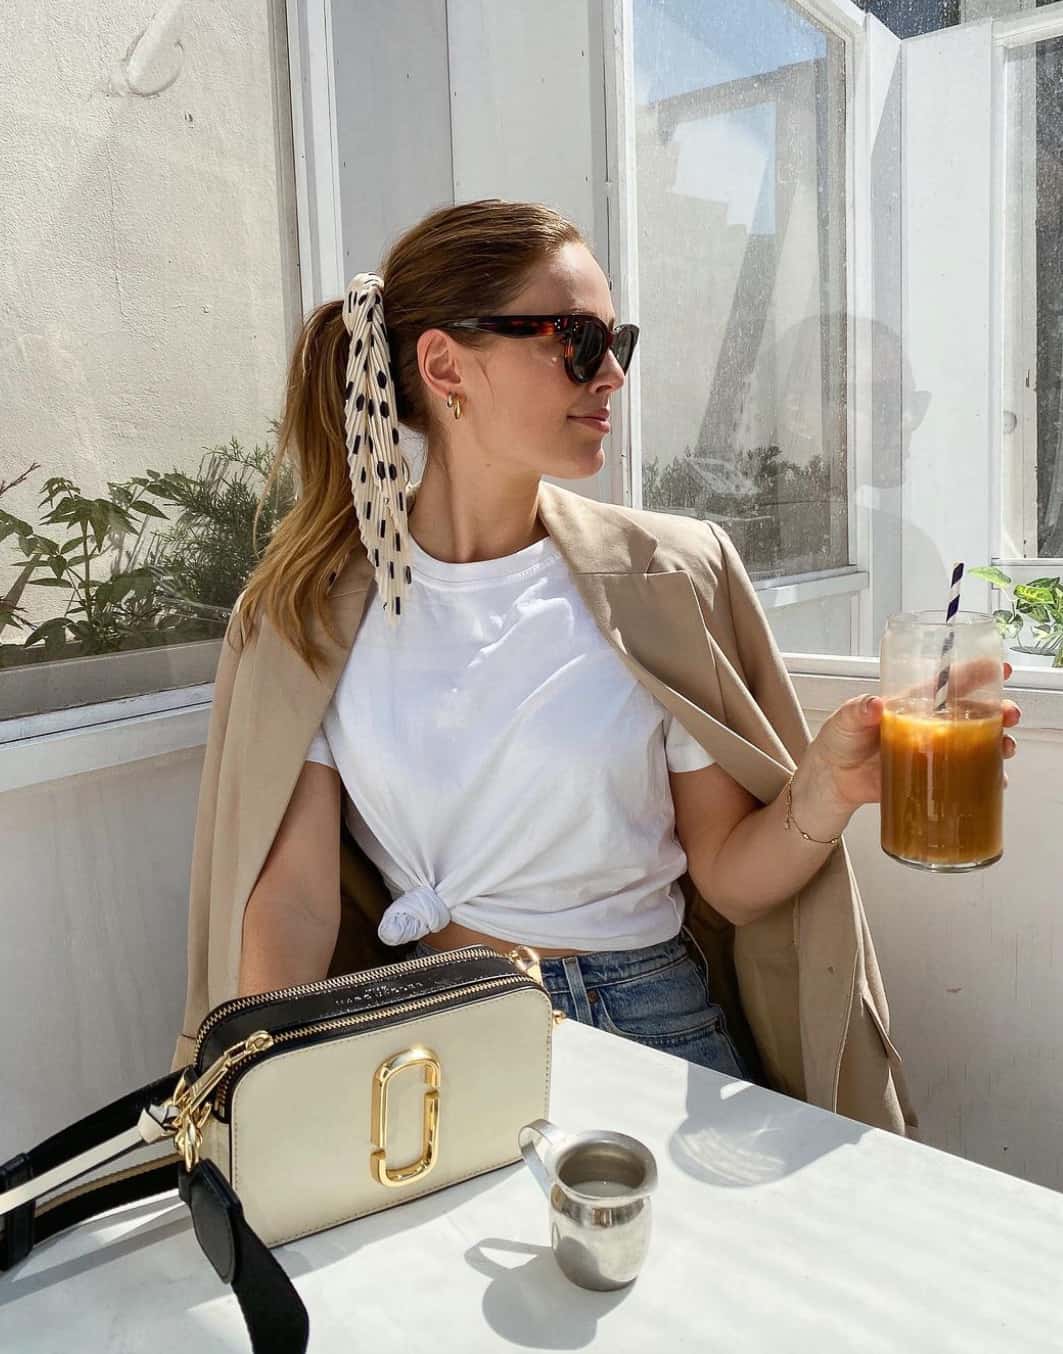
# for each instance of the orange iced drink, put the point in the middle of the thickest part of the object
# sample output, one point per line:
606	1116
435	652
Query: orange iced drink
942	784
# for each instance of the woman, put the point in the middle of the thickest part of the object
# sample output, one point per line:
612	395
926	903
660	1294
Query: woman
504	694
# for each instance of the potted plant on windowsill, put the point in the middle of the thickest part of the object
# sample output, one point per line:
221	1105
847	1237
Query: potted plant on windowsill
1035	616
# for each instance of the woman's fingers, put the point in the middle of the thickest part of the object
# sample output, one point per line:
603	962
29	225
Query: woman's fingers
1012	714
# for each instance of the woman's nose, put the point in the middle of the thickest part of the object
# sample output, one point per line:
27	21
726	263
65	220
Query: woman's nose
610	375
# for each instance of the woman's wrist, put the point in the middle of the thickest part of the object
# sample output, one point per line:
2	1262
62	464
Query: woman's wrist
815	808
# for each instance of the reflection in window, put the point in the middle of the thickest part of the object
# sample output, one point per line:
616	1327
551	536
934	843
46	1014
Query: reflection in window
152	295
741	227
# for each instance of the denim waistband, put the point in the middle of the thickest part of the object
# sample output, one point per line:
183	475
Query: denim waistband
610	966
602	966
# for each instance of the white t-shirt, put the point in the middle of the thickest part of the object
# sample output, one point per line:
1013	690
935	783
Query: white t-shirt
501	765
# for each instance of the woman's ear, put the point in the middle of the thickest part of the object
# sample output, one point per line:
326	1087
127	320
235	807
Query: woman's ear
440	361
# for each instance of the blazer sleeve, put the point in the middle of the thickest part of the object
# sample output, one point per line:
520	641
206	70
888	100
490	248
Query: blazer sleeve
764	671
196	1002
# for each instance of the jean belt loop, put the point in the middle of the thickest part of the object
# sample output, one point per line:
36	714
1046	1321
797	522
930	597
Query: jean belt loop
577	990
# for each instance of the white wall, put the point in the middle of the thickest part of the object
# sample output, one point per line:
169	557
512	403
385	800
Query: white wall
94	899
973	964
947	213
455	100
392	122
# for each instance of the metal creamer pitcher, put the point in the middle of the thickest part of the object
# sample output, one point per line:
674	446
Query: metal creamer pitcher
598	1186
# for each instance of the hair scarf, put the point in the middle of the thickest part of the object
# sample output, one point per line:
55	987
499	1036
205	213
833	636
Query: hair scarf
378	469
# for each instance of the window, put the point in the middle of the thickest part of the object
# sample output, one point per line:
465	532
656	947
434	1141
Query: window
1033	413
740	166
848	251
153	295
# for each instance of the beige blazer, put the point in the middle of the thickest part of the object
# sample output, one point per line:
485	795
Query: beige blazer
801	987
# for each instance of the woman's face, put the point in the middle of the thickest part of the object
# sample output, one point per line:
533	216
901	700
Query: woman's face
523	411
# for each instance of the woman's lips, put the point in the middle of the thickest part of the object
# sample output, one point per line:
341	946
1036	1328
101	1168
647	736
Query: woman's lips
599	422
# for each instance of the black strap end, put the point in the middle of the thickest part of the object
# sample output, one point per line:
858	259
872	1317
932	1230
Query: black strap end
16	1238
217	1217
276	1318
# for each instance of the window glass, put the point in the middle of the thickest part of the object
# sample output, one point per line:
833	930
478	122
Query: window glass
740	165
152	292
1033	413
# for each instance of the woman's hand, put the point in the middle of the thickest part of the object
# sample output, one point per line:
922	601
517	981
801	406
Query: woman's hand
841	769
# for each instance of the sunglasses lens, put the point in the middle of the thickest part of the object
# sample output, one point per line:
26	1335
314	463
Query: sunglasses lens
624	345
588	349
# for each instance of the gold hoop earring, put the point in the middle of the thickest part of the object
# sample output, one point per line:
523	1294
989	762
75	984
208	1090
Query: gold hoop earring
453	402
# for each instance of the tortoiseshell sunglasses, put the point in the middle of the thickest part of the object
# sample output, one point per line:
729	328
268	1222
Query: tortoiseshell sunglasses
586	339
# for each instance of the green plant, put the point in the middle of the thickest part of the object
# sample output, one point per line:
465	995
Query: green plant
203	560
11	612
102	614
130	584
1038	604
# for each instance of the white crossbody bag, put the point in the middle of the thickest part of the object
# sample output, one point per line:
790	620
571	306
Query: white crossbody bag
309	1107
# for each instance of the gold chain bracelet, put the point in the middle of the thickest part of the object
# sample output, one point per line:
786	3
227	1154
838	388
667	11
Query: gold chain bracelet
791	821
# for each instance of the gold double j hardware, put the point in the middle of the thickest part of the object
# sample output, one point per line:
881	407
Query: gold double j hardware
385	1073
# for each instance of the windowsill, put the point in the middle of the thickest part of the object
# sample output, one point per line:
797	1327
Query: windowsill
73	685
824	681
36	749
797	588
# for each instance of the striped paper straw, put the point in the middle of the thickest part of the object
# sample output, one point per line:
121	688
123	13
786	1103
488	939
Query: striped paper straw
942	690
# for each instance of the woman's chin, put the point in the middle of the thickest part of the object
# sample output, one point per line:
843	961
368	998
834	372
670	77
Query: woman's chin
580	464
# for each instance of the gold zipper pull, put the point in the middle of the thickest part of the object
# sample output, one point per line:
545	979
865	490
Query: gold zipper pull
189	1100
192	1109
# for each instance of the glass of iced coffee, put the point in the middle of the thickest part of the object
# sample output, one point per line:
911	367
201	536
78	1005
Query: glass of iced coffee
942	758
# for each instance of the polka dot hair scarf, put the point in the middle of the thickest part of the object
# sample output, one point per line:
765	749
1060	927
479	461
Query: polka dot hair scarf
379	471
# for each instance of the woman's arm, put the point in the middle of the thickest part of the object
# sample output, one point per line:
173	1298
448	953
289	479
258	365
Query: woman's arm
293	915
739	853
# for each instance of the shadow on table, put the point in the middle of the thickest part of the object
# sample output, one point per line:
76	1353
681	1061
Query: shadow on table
160	1228
198	1281
534	1304
739	1135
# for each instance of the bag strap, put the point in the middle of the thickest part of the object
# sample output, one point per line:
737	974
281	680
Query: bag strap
273	1311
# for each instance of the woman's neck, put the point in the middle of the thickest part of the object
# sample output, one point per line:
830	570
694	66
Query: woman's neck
462	524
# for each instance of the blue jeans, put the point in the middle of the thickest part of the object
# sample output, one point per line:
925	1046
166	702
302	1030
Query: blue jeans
657	996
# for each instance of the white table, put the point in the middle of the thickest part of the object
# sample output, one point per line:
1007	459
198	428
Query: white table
778	1228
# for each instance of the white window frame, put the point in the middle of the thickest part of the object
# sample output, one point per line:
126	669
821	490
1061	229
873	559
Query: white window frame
311	71
1017	516
1010	35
